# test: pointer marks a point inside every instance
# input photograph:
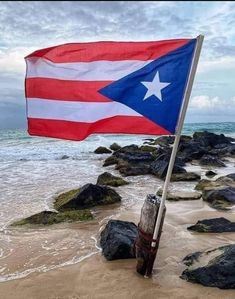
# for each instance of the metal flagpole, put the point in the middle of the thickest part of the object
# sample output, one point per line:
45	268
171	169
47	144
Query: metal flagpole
178	134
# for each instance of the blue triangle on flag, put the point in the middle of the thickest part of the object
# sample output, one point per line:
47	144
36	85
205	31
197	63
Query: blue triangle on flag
172	68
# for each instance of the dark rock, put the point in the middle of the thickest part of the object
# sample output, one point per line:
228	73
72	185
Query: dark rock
207	139
147	148
215	225
102	150
187	176
164	153
164	140
211	161
221	198
229	177
220	182
223	150
107	178
48	217
130	170
210	173
219	152
110	161
231	149
185	138
160	165
191	258
64	157
135	157
135	162
191	150
221	145
117	240
216	268
87	196
128	148
207	184
115	147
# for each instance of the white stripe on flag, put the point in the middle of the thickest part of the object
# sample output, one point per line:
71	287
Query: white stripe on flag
84	71
76	111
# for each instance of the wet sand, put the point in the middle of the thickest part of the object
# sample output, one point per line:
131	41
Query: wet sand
95	277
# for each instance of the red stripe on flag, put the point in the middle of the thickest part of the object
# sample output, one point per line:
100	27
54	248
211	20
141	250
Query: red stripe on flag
64	90
112	51
80	130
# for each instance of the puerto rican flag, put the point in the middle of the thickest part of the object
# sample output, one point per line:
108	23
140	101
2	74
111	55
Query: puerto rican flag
74	90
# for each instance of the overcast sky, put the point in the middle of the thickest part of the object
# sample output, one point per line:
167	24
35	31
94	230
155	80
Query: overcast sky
27	26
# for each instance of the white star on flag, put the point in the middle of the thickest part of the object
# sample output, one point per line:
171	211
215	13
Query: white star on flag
154	87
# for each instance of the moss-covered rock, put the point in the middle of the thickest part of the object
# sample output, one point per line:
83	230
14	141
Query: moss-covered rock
102	150
221	198
164	140
214	225
65	197
48	217
187	176
180	195
107	178
88	196
223	181
115	147
228	180
203	184
147	148
110	161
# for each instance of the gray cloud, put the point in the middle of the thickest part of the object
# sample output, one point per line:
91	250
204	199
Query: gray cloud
39	24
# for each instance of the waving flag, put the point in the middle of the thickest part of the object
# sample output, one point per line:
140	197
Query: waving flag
75	90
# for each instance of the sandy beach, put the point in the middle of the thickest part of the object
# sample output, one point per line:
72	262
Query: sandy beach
95	277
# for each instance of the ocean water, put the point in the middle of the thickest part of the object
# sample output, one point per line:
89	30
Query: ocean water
34	169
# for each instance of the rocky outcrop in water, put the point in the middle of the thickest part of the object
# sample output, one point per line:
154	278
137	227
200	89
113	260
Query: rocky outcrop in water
102	150
220	193
221	198
187	176
210	173
115	147
130	160
214	268
215	225
49	217
107	178
87	196
209	160
160	165
117	240
162	141
133	160
207	139
180	195
72	205
205	148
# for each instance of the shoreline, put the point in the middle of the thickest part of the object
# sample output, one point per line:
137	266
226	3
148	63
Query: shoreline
95	277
